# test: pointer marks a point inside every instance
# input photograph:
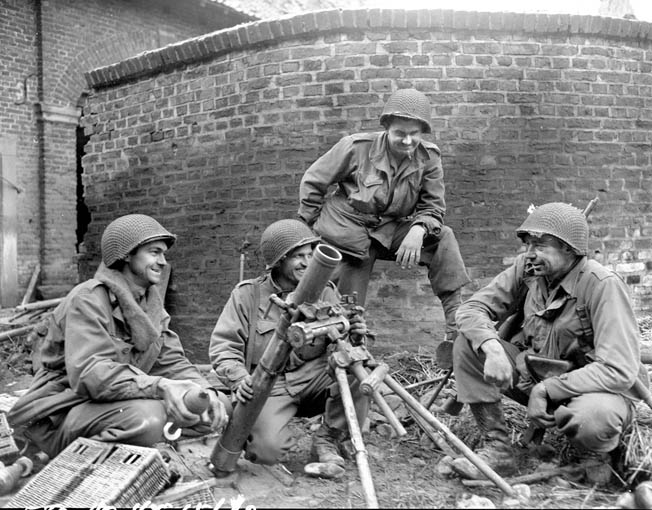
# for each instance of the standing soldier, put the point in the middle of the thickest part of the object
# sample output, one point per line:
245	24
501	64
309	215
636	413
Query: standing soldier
388	203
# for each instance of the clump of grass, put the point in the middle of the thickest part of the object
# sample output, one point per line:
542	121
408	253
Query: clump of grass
15	359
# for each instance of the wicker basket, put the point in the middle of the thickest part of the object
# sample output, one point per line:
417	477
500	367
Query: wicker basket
8	449
91	473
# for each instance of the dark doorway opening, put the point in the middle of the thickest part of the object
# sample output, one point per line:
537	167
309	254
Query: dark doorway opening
83	214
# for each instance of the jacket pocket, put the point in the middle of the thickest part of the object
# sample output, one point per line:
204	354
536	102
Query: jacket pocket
370	195
264	332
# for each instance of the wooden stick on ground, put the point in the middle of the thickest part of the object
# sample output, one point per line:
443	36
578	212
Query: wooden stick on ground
48	303
537	476
423	383
32	284
6	335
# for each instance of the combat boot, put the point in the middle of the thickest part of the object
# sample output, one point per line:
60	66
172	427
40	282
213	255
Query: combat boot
450	302
330	463
324	446
597	467
497	451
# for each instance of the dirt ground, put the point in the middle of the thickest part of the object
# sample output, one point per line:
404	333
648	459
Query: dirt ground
406	472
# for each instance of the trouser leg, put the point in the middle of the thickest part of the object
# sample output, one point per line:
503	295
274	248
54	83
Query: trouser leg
594	421
352	275
270	437
139	422
447	275
468	367
334	430
484	399
450	302
446	270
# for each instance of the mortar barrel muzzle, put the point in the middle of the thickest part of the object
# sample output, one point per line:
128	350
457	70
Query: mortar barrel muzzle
325	259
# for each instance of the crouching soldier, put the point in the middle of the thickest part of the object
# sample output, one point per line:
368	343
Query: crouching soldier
304	387
109	368
575	363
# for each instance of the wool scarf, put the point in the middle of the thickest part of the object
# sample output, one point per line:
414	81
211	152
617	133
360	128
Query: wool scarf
145	320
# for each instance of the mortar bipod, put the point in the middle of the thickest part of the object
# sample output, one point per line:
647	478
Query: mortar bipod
353	358
346	357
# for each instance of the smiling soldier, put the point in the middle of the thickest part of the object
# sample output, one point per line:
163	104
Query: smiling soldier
305	385
575	363
388	203
109	368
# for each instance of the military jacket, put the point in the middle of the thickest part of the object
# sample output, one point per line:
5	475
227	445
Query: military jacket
230	350
553	327
88	354
371	196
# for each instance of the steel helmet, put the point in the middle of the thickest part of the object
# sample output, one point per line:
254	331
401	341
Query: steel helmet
125	233
408	104
283	236
561	220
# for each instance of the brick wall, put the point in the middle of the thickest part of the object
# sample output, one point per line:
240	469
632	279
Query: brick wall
212	137
69	38
17	121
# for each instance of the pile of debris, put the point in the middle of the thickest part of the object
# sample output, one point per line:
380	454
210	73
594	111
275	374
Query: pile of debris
17	334
19	321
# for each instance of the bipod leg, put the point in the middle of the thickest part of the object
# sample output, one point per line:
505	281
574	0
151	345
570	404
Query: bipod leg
356	438
360	372
452	438
432	433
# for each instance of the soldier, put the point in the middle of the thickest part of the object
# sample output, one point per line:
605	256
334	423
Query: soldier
577	321
305	386
109	368
388	203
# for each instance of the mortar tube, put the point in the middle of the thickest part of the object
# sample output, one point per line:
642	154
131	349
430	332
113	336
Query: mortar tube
227	450
324	261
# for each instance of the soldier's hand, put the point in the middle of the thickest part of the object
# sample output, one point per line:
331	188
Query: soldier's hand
172	392
409	253
244	391
537	407
358	326
216	414
497	366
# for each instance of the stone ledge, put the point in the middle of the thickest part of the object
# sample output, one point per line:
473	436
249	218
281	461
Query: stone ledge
60	114
260	32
